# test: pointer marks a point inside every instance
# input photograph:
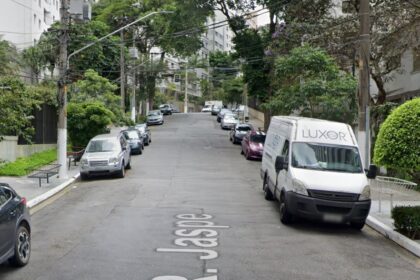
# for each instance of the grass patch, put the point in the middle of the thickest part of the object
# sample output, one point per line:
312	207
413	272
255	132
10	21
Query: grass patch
20	166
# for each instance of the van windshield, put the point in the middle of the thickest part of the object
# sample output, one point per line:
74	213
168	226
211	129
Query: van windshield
326	157
101	146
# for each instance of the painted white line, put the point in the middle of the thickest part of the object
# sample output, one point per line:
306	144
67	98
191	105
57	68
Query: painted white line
390	233
41	198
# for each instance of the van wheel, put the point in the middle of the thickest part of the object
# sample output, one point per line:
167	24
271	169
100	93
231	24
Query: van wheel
84	176
285	216
268	195
22	247
357	225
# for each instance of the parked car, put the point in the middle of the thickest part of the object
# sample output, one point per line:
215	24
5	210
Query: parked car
239	131
252	144
15	227
154	117
229	121
206	108
106	155
145	132
215	110
165	109
221	114
313	168
135	140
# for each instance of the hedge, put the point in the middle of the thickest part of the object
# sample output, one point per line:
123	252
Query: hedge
407	220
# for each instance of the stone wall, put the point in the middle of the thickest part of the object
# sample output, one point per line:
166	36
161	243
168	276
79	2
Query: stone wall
10	150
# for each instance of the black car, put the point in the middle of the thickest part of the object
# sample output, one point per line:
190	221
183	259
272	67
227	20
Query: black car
165	109
238	132
135	140
15	227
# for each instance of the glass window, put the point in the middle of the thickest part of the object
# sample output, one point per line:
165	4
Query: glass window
258	138
132	134
244	128
5	195
325	157
100	146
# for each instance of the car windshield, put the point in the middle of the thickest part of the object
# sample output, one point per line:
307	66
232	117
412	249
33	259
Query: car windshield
141	128
258	138
326	157
244	128
164	106
131	134
154	113
101	146
230	117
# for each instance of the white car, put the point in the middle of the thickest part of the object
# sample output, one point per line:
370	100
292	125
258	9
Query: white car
106	154
154	117
206	108
229	121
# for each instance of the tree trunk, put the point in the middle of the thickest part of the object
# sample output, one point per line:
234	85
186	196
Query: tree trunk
381	88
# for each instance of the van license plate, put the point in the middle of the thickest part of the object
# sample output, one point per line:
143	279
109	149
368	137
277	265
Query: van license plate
334	218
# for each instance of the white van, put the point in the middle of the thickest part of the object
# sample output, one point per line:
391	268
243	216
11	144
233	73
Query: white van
313	168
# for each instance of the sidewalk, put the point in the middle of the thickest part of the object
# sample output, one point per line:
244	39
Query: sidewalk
380	213
30	189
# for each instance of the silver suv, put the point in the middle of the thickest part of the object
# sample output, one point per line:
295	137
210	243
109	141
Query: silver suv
106	154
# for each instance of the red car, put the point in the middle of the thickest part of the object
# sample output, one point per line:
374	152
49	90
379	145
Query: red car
253	144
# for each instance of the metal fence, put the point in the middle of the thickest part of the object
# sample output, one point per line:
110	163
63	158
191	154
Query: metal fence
390	185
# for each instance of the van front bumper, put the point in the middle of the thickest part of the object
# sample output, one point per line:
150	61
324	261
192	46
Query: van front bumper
327	210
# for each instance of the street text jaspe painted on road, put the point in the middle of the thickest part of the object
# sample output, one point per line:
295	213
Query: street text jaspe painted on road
195	230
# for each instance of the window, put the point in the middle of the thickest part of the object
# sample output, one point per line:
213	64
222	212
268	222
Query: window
39	24
34	18
5	195
416	59
285	151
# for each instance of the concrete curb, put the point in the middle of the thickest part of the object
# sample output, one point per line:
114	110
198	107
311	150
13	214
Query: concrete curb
43	197
391	234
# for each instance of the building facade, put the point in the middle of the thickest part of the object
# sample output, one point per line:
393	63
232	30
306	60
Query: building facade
23	21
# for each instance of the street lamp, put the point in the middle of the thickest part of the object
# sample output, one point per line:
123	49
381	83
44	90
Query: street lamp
62	131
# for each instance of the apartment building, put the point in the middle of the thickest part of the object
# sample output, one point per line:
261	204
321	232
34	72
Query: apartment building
23	21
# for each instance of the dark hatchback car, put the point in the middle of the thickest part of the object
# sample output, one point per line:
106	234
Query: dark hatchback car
253	144
15	227
134	138
145	133
238	132
166	109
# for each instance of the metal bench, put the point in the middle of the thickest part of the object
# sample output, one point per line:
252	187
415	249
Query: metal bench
45	172
75	156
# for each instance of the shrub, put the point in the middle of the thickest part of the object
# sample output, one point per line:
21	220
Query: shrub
407	220
398	140
86	120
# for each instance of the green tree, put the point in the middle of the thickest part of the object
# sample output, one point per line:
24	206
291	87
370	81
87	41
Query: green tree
233	89
309	82
34	58
86	120
94	88
397	144
16	107
8	54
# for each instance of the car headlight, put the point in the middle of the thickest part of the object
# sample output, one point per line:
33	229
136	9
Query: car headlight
113	160
365	195
84	161
299	187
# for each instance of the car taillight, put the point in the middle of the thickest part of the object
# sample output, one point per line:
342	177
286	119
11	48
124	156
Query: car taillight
23	200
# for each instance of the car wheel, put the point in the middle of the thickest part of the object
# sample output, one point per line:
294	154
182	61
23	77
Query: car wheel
234	140
285	216
357	225
22	247
140	151
242	150
129	164
247	155
121	173
268	195
84	176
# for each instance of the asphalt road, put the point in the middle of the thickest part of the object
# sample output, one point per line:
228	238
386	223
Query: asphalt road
193	181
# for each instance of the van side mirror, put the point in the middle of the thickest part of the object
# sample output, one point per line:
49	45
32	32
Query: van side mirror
279	165
372	171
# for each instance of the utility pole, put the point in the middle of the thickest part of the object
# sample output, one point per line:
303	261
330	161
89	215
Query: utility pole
134	56
186	89
364	95
62	90
122	71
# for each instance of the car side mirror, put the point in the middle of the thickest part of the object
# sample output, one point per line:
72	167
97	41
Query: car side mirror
279	165
372	171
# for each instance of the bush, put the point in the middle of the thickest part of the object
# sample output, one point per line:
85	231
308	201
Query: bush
397	144
86	120
407	220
